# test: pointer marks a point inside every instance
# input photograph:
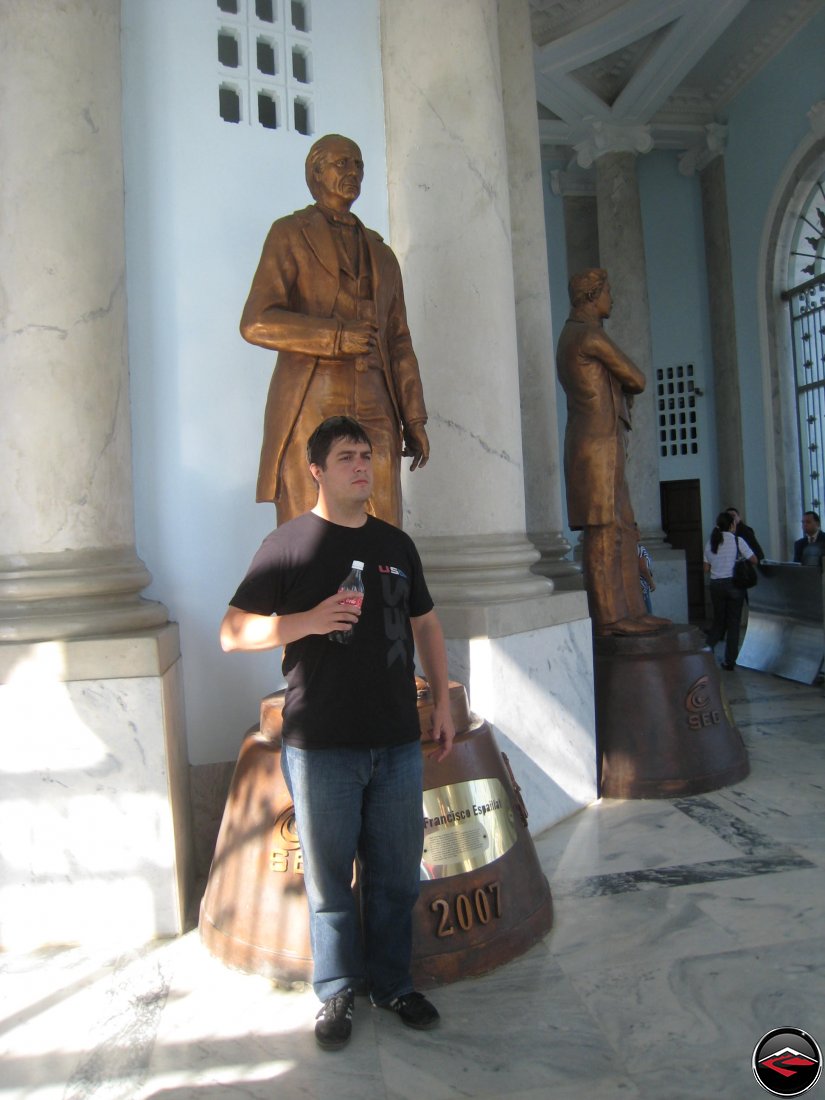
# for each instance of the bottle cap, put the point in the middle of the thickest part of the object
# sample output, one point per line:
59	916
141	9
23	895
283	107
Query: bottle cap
357	565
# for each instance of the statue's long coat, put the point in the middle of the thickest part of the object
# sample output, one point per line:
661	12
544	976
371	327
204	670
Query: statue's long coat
597	377
289	309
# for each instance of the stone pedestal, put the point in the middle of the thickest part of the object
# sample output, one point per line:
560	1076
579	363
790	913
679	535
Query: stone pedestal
664	726
532	677
94	791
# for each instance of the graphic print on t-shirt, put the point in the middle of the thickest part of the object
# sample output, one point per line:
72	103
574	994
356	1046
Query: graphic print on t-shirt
395	590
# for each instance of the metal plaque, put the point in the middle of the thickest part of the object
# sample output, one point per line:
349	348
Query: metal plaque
466	825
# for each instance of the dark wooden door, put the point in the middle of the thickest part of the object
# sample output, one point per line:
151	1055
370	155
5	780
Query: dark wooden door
682	524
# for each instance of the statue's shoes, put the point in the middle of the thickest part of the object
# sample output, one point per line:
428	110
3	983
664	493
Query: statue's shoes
629	626
654	620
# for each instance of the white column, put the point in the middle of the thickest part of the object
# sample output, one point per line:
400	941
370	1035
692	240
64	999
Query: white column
537	375
93	769
450	227
621	250
67	556
730	470
524	652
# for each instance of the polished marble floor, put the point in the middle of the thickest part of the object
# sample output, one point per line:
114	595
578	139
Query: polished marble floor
684	930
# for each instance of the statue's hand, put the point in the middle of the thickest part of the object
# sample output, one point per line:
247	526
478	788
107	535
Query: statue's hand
416	445
358	337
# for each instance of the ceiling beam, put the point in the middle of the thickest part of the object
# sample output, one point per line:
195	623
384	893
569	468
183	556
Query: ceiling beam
682	47
612	32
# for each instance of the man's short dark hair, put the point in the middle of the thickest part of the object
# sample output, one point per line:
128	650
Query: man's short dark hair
327	434
815	515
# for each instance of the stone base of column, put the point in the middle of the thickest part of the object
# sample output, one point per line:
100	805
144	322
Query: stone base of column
525	653
536	686
75	593
554	564
465	571
94	790
670	600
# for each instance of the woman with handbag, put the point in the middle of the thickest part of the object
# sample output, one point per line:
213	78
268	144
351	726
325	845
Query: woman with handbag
723	551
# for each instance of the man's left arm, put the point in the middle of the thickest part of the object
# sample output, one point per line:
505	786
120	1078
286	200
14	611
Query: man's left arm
432	653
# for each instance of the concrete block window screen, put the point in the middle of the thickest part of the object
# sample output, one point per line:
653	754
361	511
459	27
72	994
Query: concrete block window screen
265	64
676	407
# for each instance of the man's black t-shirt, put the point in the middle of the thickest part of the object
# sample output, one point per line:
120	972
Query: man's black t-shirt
360	695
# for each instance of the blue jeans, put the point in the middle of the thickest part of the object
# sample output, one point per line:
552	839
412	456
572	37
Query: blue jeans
364	802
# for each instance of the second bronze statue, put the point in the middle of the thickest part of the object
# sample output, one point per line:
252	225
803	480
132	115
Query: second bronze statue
327	296
600	382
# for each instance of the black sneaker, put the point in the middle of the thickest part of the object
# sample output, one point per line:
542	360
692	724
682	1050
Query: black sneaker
415	1011
334	1021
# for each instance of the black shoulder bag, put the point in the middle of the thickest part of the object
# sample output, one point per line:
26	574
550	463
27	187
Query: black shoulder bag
744	571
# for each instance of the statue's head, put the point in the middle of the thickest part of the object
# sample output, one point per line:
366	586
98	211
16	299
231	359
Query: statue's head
586	286
334	170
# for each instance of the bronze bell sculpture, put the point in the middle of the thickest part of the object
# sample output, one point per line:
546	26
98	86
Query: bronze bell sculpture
484	899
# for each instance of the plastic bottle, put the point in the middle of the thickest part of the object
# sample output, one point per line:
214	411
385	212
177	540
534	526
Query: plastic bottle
354	584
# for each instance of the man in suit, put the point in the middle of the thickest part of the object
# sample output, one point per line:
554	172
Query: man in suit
327	296
810	549
600	381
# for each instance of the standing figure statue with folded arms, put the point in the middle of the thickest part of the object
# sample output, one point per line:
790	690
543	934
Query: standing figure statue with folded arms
600	382
327	296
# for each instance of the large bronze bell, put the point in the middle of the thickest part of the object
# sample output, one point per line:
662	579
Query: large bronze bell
663	725
484	899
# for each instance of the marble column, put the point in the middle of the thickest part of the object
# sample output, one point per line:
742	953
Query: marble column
581	227
730	472
622	253
621	249
523	650
537	376
82	652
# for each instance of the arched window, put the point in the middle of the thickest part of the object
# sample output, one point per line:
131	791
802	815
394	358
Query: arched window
806	302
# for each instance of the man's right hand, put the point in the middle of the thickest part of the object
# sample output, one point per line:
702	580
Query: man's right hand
332	614
358	337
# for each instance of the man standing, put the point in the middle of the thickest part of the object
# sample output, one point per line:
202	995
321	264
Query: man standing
599	380
741	529
327	295
351	755
810	549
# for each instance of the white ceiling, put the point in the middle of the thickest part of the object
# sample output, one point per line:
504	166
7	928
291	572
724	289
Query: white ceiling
660	71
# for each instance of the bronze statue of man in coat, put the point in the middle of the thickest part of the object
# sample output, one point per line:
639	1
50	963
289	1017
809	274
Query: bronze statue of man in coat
327	296
600	381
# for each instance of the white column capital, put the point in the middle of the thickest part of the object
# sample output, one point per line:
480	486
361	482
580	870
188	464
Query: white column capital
600	138
700	155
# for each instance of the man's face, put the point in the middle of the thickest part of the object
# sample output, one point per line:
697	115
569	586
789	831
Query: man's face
339	175
809	526
734	515
604	302
347	477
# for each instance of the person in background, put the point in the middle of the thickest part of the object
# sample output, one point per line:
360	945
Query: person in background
810	549
646	575
741	529
721	552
